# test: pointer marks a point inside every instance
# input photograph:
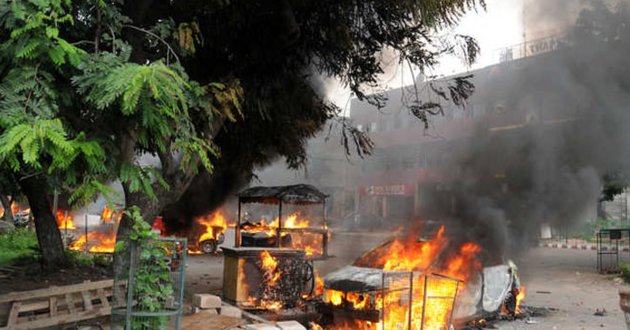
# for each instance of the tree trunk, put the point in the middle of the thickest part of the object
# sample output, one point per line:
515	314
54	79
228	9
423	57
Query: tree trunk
601	214
8	213
48	234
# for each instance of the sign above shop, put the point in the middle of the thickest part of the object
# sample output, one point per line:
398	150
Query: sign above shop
389	190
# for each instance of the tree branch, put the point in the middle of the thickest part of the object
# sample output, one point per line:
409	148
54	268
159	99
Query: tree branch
157	37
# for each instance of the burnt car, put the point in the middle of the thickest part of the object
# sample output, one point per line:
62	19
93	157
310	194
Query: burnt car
211	244
399	278
206	242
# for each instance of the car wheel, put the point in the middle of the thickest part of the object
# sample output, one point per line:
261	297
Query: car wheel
208	246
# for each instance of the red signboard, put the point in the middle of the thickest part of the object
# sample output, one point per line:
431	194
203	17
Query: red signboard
389	190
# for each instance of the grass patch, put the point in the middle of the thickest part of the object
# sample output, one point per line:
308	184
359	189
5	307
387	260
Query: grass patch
17	244
82	258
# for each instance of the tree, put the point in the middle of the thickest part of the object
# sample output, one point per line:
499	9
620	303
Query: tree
602	34
63	108
36	146
158	94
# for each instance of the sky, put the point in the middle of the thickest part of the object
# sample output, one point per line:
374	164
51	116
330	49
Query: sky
498	27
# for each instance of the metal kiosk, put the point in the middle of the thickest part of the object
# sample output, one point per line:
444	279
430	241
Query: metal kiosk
300	194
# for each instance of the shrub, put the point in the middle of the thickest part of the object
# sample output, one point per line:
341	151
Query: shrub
625	272
16	244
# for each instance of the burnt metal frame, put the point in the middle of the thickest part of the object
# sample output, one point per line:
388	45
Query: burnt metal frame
237	231
426	278
386	288
255	257
605	244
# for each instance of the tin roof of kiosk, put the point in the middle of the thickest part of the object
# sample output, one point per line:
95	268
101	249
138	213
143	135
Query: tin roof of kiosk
294	194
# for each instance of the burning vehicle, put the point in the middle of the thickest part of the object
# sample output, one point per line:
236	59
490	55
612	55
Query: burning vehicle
419	282
21	215
101	239
205	236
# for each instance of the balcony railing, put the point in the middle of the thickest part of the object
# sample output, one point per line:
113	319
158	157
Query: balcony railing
533	47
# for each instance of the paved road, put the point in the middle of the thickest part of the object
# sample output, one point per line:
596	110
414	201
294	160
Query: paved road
568	281
575	289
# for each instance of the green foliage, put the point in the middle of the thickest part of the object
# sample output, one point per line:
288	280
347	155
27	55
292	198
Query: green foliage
16	244
82	258
588	231
153	284
625	272
34	137
613	184
34	35
55	95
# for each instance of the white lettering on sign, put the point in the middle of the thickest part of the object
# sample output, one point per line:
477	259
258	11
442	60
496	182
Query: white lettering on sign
399	189
545	45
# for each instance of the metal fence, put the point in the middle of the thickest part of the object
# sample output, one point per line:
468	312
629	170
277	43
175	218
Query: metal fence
148	293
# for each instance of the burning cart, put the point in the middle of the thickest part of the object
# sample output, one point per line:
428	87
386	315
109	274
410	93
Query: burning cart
293	231
419	281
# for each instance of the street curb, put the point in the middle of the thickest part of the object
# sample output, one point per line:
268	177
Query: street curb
589	247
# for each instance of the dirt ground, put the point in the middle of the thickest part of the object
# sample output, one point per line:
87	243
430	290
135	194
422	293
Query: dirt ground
565	281
30	276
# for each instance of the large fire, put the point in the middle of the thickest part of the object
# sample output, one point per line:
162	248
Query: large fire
65	220
15	209
411	263
270	276
111	216
205	228
212	223
95	242
296	226
103	239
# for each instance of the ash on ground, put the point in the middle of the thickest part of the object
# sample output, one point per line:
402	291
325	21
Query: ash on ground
528	314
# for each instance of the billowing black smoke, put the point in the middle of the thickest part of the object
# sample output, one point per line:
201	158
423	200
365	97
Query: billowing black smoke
555	124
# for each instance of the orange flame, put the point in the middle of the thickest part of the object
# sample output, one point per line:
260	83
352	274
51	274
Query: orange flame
271	275
111	216
358	300
315	326
15	208
334	297
319	285
65	220
318	290
208	227
96	242
214	224
309	242
519	298
419	257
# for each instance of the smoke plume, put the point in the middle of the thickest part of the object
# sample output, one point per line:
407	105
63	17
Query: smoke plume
548	128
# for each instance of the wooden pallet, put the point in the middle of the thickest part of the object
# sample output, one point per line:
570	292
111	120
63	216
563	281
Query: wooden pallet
56	305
